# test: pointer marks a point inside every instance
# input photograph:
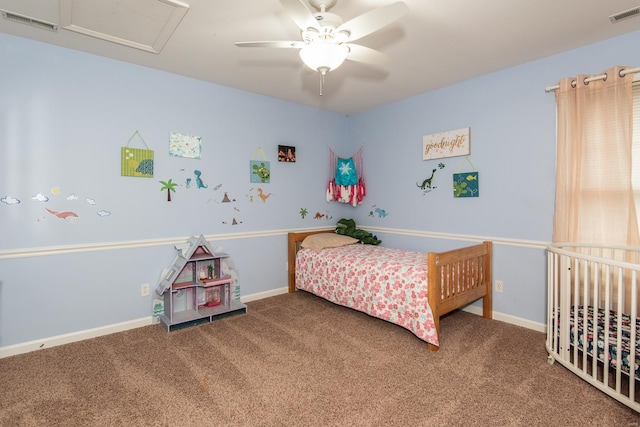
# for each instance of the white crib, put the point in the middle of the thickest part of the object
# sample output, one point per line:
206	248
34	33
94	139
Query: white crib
592	303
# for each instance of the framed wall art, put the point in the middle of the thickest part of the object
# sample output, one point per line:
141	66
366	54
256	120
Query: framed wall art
286	153
466	184
446	144
259	170
188	146
136	162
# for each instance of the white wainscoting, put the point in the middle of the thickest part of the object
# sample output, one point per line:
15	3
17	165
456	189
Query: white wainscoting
35	345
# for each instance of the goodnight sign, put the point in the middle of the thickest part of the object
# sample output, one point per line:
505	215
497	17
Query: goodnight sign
446	144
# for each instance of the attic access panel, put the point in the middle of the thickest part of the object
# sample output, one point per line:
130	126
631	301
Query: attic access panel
141	24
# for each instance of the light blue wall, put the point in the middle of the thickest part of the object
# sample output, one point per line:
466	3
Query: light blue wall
512	121
64	116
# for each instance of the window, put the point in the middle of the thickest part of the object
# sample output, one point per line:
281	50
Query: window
595	195
635	156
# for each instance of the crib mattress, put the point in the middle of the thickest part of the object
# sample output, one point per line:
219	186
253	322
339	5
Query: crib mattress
610	339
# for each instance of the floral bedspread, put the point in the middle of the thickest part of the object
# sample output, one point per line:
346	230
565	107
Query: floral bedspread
389	284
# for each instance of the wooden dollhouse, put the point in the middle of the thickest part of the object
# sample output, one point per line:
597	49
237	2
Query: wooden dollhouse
194	287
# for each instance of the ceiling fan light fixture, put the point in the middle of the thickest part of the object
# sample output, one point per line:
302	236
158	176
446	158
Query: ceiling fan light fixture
324	57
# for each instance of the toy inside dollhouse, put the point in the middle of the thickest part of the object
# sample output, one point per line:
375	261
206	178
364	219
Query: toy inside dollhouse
205	274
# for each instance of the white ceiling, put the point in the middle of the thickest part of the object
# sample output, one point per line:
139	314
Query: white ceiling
438	43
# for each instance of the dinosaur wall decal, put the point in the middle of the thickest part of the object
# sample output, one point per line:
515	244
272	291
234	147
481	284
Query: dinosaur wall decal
66	215
427	182
263	196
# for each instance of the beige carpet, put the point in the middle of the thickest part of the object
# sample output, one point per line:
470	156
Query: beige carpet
297	360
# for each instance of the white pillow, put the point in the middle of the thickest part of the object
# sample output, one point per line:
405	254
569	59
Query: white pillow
327	240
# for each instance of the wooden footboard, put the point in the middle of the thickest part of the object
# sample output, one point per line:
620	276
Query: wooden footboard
456	278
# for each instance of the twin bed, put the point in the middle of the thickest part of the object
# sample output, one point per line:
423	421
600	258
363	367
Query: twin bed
411	289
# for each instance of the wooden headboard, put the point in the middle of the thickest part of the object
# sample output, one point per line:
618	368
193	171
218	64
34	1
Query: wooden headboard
295	239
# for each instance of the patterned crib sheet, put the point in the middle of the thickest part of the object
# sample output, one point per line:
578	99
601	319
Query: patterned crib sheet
389	284
610	338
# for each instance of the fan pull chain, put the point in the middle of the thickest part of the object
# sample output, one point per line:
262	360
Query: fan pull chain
323	72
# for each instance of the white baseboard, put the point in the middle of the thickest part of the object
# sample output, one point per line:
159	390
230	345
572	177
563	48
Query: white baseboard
13	350
266	294
507	318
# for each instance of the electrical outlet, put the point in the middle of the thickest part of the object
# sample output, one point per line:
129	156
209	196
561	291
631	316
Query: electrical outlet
499	285
144	290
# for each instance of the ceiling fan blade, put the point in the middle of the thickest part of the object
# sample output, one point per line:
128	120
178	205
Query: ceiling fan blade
301	14
373	20
279	44
366	55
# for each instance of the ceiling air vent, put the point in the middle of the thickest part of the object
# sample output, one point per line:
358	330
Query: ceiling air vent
16	17
625	15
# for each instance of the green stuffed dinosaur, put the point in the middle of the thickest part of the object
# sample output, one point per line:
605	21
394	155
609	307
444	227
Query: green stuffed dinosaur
347	227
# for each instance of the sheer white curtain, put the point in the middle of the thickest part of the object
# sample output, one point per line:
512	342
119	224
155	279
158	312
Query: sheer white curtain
594	194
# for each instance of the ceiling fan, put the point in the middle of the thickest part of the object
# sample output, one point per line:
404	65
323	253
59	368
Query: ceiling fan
327	39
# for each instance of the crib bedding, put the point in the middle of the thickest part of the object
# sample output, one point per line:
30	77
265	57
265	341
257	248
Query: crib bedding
389	284
612	336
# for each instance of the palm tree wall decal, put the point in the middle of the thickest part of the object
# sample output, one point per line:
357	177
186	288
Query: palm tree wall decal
169	186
